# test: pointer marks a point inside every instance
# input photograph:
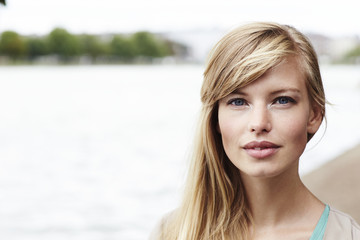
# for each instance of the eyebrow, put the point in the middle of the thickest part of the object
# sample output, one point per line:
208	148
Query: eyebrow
282	90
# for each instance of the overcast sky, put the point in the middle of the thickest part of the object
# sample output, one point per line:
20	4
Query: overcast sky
335	18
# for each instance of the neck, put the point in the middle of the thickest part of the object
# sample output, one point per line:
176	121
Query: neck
276	200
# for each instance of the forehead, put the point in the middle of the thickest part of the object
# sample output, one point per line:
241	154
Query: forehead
286	75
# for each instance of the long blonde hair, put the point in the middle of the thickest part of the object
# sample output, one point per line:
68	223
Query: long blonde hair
214	204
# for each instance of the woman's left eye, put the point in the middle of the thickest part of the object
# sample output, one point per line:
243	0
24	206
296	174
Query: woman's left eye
284	100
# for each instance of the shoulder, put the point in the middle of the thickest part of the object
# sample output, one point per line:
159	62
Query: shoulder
341	226
156	233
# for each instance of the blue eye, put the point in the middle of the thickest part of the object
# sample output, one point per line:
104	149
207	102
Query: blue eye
237	102
284	100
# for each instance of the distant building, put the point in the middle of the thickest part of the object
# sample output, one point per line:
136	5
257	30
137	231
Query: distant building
331	50
199	42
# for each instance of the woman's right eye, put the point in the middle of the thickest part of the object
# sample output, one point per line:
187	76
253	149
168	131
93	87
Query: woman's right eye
237	102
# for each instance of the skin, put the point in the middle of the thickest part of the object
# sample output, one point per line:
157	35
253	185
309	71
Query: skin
275	108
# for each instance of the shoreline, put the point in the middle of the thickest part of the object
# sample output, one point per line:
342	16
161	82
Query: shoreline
337	182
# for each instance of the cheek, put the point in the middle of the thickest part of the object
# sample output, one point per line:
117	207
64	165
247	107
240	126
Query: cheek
229	141
226	129
295	129
230	129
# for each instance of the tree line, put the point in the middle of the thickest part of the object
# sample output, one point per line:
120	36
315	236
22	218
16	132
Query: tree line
65	47
352	56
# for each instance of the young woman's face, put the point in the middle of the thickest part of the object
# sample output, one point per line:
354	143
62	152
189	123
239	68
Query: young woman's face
264	125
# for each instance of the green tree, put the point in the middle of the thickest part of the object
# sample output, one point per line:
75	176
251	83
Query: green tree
92	46
147	45
64	44
36	47
12	45
122	47
351	57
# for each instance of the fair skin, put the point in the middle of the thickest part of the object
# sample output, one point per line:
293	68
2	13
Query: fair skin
264	128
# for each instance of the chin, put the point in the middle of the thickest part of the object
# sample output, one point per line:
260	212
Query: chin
264	171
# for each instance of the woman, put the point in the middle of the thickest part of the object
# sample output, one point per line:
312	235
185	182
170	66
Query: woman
263	100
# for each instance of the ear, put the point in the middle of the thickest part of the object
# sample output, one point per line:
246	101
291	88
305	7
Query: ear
315	119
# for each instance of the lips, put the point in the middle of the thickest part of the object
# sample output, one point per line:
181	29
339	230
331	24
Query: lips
261	150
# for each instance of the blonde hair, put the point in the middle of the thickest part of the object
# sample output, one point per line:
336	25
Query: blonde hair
214	204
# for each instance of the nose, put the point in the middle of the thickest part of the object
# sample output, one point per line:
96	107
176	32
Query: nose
260	120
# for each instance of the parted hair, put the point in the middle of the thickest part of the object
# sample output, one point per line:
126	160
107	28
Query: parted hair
214	204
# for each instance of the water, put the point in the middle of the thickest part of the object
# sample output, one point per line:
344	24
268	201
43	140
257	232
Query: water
101	152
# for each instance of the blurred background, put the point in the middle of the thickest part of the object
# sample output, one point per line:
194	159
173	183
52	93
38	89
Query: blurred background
99	102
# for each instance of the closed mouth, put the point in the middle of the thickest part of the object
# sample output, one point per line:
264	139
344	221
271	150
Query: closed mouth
261	150
255	145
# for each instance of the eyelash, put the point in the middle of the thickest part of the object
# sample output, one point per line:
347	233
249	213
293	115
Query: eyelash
289	99
231	101
276	100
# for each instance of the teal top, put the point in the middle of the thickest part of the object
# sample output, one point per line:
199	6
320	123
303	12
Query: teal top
319	231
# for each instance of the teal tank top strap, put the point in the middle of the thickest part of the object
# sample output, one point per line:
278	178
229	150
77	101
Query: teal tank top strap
319	231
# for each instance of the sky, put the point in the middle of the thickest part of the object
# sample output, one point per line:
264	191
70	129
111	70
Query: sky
334	18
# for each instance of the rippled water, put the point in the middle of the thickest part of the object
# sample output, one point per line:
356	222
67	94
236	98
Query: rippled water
101	152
